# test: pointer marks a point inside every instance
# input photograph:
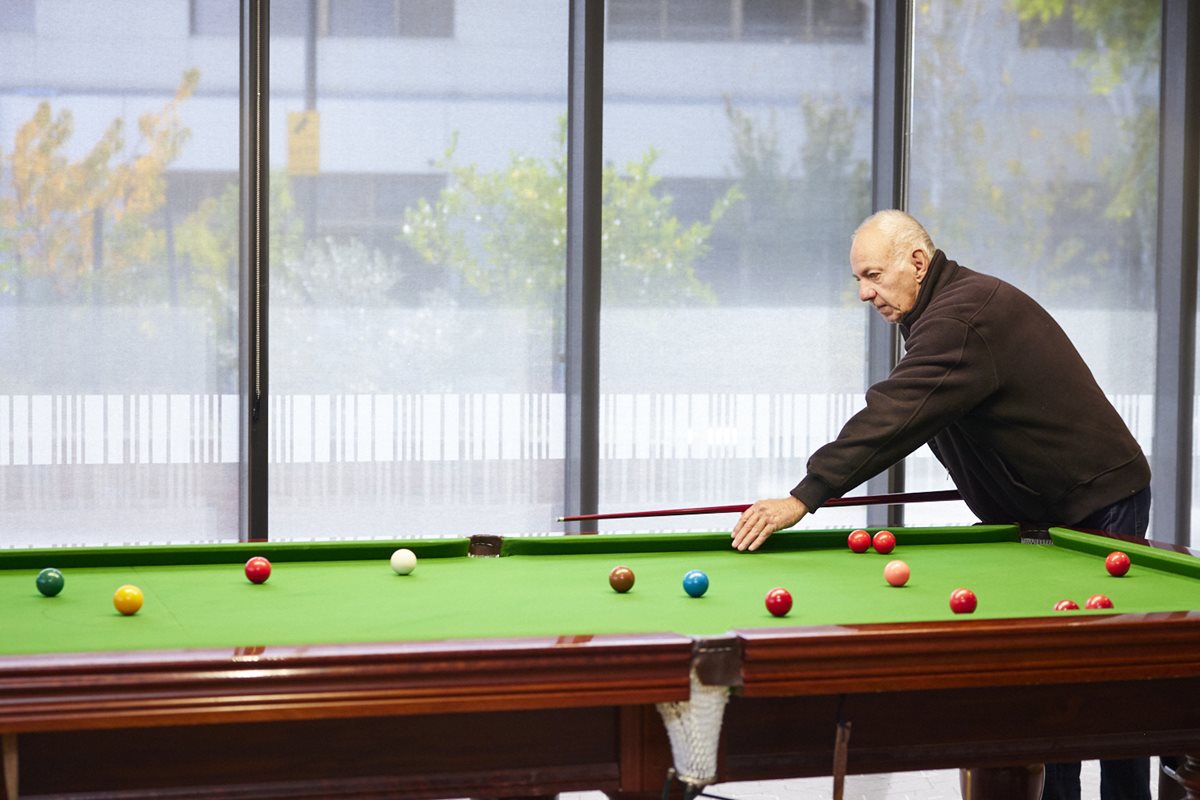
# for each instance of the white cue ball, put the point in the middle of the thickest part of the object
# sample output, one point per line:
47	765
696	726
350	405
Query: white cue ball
404	561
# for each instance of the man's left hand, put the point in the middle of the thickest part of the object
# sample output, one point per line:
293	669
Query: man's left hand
765	517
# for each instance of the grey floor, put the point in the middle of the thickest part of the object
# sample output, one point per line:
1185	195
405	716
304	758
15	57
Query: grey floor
928	785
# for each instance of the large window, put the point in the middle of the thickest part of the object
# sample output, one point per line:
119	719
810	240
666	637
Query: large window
418	200
1039	165
732	342
417	253
118	301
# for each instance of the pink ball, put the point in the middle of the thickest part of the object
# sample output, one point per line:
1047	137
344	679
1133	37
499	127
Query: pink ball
896	573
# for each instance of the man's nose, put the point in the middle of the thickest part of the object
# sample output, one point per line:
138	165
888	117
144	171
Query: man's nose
865	292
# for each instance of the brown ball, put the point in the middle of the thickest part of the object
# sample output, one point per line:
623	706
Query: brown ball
621	579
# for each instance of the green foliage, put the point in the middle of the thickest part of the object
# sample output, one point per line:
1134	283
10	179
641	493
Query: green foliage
1067	213
504	232
83	226
1123	34
803	205
338	274
207	242
827	154
208	237
758	159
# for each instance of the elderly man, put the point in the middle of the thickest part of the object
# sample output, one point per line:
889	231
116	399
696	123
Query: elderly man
996	389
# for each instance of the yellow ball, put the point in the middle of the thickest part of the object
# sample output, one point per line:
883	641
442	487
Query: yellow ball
128	599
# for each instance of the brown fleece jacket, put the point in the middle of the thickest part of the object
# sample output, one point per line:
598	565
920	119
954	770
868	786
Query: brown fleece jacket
994	386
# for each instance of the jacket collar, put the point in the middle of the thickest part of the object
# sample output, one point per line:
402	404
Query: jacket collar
941	271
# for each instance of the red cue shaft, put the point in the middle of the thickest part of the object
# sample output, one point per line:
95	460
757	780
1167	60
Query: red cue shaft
862	500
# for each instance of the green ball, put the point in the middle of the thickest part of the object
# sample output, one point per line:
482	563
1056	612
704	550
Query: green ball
50	582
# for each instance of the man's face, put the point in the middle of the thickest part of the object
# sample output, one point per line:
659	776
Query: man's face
890	286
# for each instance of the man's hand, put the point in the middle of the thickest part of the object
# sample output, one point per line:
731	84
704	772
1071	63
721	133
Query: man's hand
765	517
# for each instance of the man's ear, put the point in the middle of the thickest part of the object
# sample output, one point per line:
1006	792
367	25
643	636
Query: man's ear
920	262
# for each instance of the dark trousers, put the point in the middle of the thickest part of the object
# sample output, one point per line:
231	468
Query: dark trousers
1120	779
1129	517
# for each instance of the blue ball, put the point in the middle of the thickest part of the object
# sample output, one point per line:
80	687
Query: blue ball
695	583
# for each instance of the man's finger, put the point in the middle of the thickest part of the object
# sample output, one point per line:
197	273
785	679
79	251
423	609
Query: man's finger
762	536
751	536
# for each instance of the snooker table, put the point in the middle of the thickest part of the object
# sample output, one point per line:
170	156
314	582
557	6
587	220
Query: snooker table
508	667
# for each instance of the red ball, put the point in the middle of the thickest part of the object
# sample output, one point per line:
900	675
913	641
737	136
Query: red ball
896	573
1098	601
1117	563
963	601
779	601
859	541
884	542
1066	605
258	569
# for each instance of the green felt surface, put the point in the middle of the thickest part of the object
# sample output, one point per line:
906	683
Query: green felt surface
559	587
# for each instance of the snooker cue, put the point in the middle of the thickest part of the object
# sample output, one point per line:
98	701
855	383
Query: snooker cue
894	498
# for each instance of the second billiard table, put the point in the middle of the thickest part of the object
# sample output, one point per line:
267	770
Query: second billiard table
509	667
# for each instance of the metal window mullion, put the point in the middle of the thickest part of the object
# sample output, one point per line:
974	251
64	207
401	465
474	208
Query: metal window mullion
252	275
585	105
1178	202
889	189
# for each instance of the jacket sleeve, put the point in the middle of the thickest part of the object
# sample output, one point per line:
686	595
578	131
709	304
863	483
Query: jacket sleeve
946	372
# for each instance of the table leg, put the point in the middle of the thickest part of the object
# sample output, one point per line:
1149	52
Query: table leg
993	783
1168	787
8	766
1186	773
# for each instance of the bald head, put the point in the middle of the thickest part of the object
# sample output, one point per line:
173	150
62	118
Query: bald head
889	257
899	230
